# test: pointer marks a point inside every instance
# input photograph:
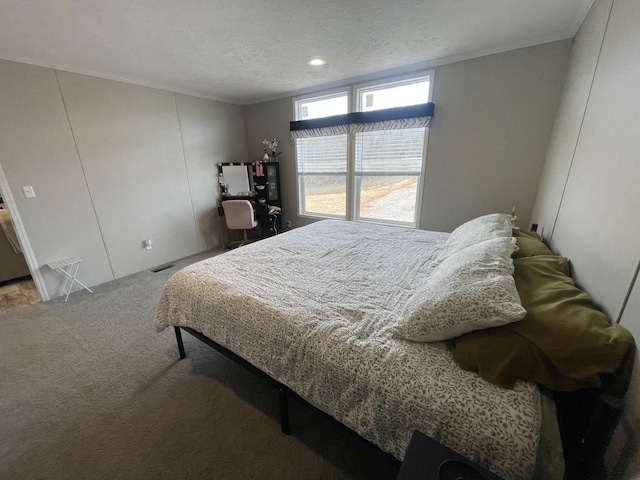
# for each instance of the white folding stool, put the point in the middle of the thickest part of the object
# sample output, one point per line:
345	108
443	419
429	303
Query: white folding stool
69	274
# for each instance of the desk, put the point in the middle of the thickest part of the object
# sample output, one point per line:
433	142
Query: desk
268	225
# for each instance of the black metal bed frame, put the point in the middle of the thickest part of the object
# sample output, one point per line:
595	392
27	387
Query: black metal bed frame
283	391
587	419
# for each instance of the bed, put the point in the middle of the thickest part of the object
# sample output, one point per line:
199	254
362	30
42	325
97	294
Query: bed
318	310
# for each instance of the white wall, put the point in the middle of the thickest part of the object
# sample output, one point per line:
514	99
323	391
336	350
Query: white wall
37	149
591	181
490	132
112	164
597	224
487	142
129	143
571	109
212	132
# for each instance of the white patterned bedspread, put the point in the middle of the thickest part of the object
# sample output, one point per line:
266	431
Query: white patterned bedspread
314	308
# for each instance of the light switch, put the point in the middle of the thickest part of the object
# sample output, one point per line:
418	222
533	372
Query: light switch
28	192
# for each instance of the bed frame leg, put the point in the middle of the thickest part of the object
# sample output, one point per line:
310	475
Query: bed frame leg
179	341
284	410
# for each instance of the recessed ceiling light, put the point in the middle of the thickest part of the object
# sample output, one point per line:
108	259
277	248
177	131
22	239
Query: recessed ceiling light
316	62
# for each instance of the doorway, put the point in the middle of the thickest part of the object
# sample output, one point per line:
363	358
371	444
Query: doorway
21	283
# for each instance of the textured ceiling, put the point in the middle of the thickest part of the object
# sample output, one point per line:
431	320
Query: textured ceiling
245	51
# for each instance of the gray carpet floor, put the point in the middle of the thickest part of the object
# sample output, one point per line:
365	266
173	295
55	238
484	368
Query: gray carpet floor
88	389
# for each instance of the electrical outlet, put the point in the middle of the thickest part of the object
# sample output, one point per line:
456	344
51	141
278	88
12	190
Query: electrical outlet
288	225
147	244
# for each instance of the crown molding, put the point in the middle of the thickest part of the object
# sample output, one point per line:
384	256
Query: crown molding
116	78
412	68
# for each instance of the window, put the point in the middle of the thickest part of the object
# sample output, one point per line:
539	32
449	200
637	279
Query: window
369	171
322	161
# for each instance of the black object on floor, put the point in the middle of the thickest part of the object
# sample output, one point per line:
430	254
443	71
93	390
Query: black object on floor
427	459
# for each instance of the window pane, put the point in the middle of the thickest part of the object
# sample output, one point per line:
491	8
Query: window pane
322	107
399	151
324	194
389	96
391	198
380	169
322	154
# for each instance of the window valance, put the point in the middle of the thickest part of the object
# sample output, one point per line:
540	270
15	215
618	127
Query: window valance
412	116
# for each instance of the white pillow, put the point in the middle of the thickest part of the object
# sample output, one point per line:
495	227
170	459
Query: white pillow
471	290
494	225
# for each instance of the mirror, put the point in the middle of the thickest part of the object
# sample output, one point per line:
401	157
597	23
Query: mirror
236	177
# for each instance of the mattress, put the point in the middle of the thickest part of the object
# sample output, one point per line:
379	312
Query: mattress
315	309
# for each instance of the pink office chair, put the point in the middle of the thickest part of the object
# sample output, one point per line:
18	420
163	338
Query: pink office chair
239	216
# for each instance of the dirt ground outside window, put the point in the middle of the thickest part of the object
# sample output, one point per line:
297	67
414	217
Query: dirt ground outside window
385	198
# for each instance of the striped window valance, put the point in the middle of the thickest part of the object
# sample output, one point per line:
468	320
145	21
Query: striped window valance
413	116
